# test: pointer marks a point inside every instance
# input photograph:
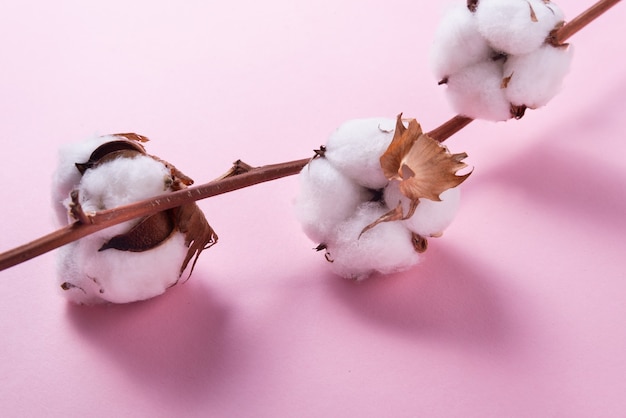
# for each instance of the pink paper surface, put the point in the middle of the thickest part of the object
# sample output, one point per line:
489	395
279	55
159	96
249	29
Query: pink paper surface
517	311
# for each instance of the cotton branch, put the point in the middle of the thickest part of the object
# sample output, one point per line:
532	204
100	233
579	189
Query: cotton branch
449	128
582	20
239	176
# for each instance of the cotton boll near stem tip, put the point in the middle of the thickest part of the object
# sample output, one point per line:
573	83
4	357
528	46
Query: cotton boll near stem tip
481	85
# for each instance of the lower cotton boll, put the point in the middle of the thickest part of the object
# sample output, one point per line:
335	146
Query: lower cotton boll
386	248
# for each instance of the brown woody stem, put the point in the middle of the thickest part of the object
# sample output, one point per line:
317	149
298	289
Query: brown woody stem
106	218
449	128
583	19
240	176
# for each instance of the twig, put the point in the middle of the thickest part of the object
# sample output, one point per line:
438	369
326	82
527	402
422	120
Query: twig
583	19
449	128
106	218
239	176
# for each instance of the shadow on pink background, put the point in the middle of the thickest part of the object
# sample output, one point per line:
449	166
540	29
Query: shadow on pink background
177	345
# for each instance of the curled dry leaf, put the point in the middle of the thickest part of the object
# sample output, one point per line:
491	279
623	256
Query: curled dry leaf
533	15
109	151
505	81
395	214
401	143
424	167
153	230
131	136
147	234
429	170
199	235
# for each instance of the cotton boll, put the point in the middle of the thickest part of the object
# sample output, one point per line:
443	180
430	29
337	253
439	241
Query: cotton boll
517	26
386	248
66	176
137	259
457	42
355	149
91	276
535	78
326	198
430	218
476	92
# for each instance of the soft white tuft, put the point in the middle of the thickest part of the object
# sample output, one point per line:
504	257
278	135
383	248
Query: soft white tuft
355	149
497	59
66	177
430	218
122	181
537	77
517	26
457	42
476	92
386	248
326	198
92	276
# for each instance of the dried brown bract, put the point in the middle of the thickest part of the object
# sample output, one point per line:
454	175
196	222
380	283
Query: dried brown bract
423	166
153	230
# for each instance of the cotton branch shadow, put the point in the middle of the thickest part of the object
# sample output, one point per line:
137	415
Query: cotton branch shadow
172	343
449	297
565	181
558	174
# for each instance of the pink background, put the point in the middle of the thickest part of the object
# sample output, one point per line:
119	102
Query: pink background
518	310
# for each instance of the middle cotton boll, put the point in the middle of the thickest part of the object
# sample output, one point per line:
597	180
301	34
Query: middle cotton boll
344	194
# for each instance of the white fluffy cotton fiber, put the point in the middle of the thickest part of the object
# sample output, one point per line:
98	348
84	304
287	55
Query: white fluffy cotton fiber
66	176
430	218
535	78
457	43
476	91
386	248
355	149
326	198
496	57
517	26
344	191
88	274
